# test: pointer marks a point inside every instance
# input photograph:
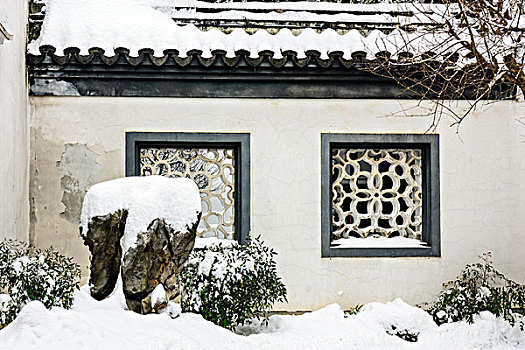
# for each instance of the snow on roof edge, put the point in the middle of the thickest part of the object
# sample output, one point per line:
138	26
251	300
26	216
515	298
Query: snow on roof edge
95	23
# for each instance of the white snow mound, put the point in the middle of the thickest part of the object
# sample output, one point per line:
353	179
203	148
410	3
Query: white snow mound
176	200
399	316
92	324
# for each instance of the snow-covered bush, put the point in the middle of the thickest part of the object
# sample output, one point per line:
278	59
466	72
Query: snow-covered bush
27	273
231	284
479	287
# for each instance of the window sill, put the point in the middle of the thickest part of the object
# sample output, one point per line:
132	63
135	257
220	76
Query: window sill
381	252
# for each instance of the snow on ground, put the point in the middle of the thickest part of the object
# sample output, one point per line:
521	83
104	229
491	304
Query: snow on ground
142	196
97	325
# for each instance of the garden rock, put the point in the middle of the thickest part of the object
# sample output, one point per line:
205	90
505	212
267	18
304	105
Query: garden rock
156	258
140	231
103	240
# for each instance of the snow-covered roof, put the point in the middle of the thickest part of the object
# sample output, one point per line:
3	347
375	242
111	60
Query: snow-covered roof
253	27
190	48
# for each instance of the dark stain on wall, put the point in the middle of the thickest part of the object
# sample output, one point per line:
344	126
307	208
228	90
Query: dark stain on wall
80	170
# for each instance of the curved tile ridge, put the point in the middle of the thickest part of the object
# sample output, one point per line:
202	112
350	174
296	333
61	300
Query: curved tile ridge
85	24
171	57
214	40
189	37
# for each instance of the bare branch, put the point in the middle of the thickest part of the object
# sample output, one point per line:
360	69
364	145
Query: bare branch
474	51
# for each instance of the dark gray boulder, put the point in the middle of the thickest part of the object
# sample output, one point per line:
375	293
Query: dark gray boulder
127	213
156	258
103	240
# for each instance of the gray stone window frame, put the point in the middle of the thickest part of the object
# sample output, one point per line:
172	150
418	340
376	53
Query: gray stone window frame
429	145
239	142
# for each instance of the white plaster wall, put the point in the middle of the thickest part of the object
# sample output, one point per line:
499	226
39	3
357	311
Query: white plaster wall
482	183
14	129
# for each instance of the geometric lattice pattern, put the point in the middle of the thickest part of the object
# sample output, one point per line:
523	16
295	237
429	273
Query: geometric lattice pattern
376	192
212	169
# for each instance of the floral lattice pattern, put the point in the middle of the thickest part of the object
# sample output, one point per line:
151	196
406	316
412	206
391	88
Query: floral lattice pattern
212	170
376	192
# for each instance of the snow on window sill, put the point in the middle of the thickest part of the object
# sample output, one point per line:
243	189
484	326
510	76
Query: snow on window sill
378	242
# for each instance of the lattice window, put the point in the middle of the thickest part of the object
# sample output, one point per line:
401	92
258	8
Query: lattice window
380	195
212	169
376	192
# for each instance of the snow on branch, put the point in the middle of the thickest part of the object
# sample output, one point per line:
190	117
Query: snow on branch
474	50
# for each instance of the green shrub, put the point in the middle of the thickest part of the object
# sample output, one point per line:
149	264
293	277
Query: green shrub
230	285
27	273
479	287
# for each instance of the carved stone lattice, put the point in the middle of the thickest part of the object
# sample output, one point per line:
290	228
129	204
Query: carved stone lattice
376	192
212	169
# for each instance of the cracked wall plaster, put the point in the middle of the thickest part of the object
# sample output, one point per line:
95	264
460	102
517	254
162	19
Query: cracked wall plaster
80	170
482	191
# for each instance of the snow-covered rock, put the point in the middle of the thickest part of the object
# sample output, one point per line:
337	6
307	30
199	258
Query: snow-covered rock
146	198
155	221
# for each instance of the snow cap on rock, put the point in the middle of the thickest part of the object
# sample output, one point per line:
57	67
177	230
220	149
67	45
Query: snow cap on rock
176	200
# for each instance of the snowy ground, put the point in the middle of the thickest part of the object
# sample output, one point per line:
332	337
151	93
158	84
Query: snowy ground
105	325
